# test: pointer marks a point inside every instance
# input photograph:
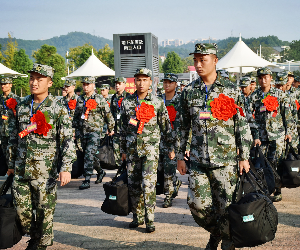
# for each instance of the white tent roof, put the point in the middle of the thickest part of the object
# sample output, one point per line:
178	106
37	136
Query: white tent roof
92	67
9	72
242	56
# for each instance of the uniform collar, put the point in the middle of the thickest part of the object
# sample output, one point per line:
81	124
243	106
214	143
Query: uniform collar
218	82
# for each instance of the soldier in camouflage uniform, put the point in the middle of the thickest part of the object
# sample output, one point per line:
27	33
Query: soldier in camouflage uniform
183	84
71	98
140	146
88	124
115	107
253	84
104	92
169	166
272	127
216	136
44	130
6	112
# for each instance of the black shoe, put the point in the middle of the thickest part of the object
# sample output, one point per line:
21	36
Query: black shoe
150	228
85	185
213	243
135	224
100	177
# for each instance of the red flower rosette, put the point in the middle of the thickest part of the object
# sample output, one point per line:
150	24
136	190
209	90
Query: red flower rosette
271	104
11	103
90	105
120	102
144	114
298	105
172	114
108	103
224	108
72	104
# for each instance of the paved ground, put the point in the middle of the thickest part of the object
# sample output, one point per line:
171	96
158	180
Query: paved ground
79	223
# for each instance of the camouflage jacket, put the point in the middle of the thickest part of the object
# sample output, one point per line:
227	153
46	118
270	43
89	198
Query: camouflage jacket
65	102
146	143
6	112
214	142
293	95
115	109
269	128
36	156
96	117
164	149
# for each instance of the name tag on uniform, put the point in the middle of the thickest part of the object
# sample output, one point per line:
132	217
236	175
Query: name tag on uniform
4	117
118	116
204	115
133	122
263	109
31	127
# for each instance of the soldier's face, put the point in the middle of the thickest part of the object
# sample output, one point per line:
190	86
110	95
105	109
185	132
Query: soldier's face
69	89
252	86
265	80
290	80
120	86
205	64
39	84
279	86
246	90
104	92
169	86
182	87
6	87
64	92
88	88
142	83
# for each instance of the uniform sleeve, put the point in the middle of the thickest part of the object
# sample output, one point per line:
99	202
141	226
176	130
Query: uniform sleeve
253	124
76	121
108	117
123	128
12	141
287	116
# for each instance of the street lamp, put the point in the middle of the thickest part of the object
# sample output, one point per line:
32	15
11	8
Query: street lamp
289	63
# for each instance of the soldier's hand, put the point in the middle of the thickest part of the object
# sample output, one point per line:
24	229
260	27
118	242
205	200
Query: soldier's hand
257	141
288	137
187	153
10	171
64	178
172	155
181	167
123	157
111	133
244	165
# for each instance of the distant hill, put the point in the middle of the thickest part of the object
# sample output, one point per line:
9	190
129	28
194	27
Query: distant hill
62	43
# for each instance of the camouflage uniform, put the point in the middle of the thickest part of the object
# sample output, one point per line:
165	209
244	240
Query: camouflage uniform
34	158
115	110
213	152
142	151
65	102
6	116
88	132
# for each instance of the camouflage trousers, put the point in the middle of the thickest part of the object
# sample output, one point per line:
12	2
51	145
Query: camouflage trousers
210	192
142	176
36	195
170	179
4	144
90	148
273	150
116	146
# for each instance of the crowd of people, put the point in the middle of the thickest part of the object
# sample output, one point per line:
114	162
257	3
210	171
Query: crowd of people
211	121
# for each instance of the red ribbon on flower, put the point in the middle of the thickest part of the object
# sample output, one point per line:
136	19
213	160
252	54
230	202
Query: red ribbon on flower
224	108
11	103
72	104
271	104
42	127
108	103
90	105
120	102
172	114
144	114
298	105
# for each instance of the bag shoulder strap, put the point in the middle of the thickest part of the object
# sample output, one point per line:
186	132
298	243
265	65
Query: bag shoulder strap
6	185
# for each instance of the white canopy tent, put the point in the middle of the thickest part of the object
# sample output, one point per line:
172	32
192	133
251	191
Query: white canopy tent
92	67
9	72
240	57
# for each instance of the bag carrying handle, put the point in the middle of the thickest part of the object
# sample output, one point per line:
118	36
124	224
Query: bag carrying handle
289	148
6	185
120	170
241	187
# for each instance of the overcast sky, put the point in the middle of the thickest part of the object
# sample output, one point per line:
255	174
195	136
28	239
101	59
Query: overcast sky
185	20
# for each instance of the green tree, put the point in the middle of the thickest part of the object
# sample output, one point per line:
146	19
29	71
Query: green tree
78	55
106	55
11	48
294	52
173	63
1	56
188	61
21	64
47	55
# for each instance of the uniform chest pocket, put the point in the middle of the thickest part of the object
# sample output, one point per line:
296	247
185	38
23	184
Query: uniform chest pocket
24	121
196	106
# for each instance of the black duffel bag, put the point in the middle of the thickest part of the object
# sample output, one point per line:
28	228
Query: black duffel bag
105	153
290	168
117	200
78	165
3	165
254	218
10	227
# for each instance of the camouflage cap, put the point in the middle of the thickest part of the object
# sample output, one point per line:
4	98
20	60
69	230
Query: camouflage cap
205	48
291	73
160	85
104	86
121	79
264	71
253	79
44	70
184	82
143	71
171	77
88	79
6	80
245	81
297	79
281	78
70	82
